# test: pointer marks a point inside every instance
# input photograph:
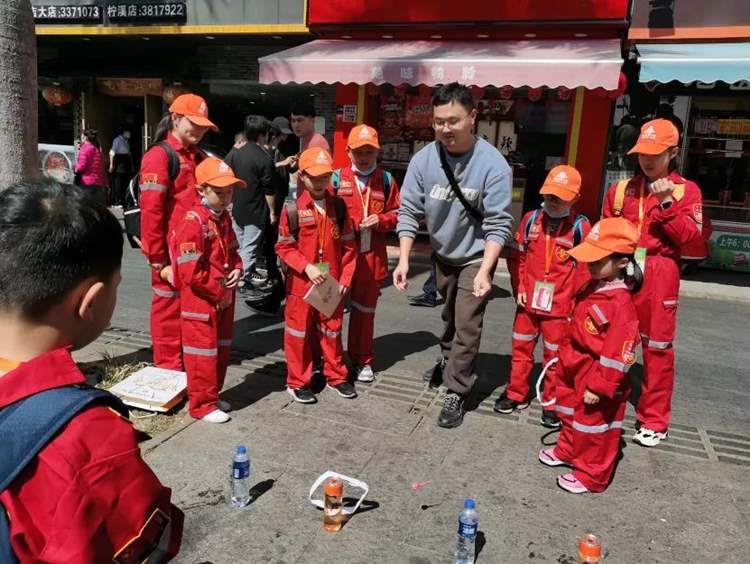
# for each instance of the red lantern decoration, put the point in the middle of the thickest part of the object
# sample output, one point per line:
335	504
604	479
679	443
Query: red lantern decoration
477	92
535	94
563	93
425	91
57	95
506	92
622	85
169	93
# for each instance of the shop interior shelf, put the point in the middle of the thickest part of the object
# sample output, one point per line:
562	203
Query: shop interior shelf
743	138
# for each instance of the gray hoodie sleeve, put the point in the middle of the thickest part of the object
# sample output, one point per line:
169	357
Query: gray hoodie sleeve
412	199
498	221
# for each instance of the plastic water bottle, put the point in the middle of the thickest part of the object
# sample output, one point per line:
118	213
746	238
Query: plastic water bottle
240	478
467	533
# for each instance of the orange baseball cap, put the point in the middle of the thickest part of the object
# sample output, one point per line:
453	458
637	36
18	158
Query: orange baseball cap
363	135
610	235
562	181
215	172
315	162
656	136
194	108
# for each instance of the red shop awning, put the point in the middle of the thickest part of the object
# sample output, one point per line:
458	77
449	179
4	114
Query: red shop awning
591	63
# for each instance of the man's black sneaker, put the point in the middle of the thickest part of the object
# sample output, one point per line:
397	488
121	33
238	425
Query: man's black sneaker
434	376
423	300
267	308
345	390
302	395
550	420
507	405
452	414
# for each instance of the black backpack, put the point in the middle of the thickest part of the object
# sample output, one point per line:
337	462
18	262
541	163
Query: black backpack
132	208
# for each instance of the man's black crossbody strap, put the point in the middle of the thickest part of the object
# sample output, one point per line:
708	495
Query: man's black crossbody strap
471	210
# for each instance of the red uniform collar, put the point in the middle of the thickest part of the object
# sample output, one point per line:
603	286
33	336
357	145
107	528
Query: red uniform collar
53	369
305	201
178	146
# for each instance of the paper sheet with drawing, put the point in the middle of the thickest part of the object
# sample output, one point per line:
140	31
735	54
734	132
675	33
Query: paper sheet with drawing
325	297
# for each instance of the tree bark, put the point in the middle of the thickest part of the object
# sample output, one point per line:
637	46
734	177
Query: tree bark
18	93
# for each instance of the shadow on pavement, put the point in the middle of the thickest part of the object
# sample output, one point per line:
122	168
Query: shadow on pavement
480	542
492	372
257	384
260	488
393	348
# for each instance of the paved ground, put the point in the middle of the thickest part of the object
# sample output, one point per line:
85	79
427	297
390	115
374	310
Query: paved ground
688	501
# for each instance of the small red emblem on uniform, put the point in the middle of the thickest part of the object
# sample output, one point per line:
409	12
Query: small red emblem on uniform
562	254
590	326
187	248
628	352
377	206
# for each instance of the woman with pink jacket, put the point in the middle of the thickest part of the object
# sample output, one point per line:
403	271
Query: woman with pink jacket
89	167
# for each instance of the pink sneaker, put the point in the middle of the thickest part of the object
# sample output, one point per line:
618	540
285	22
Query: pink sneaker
570	483
548	458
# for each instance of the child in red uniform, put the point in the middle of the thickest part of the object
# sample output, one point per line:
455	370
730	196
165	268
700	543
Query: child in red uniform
667	210
317	242
372	200
595	357
547	281
87	496
208	271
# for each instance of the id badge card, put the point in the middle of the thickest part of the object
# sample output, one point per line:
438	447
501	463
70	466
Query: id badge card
544	293
324	267
365	240
640	259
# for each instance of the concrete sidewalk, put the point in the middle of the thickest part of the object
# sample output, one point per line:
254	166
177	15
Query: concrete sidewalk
686	501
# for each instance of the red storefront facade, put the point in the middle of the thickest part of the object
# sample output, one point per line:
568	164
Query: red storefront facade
546	75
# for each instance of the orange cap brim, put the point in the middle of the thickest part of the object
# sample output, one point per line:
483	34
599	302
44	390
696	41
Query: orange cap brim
374	144
587	252
559	191
226	181
318	170
202	121
647	148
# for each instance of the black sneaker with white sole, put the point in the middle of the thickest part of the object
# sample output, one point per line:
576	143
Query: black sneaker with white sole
345	390
550	420
506	405
452	414
302	395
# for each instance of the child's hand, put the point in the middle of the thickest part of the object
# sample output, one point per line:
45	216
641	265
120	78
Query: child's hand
223	304
663	188
315	275
233	279
521	299
590	398
369	221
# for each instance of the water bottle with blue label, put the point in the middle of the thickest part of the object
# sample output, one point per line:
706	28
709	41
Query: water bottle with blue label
467	533
241	478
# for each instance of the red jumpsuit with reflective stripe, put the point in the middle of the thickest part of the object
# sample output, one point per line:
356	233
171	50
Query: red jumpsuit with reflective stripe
205	253
544	244
372	265
159	200
301	320
664	231
596	355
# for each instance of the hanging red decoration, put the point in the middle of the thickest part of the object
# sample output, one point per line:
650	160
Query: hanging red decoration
57	95
477	92
506	92
563	93
622	86
169	93
424	90
535	94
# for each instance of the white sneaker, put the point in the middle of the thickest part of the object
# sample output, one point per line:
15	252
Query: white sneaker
648	438
216	416
365	374
224	405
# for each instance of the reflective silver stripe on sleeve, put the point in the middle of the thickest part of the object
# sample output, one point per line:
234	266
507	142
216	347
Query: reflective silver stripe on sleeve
188	257
551	346
225	342
362	308
150	186
194	315
594	429
524	337
612	363
287	239
600	314
565	410
328	333
659	345
165	293
197	351
671	302
294	332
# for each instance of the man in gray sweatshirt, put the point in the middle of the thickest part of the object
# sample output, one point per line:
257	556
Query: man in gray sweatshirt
467	243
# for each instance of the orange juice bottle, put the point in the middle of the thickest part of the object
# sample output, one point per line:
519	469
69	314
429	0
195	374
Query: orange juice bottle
589	550
332	514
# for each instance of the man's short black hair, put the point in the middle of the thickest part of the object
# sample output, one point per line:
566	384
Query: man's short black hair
256	125
303	109
453	92
51	238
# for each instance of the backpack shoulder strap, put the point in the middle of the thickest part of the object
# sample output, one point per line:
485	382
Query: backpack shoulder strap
619	197
292	216
340	207
578	229
174	160
527	227
336	180
387	177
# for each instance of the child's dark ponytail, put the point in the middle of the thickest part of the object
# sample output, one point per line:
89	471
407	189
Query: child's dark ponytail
633	273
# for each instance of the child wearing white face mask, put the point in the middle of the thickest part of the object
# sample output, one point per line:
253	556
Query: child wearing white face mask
547	282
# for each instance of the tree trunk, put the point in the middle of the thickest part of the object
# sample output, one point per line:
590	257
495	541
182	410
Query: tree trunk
18	93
